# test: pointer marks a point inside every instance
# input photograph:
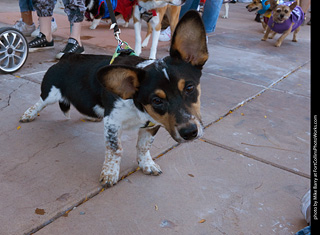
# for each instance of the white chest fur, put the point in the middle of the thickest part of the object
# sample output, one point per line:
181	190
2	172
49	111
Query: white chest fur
127	116
149	5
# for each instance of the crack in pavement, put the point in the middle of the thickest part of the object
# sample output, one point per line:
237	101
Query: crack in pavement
248	155
10	95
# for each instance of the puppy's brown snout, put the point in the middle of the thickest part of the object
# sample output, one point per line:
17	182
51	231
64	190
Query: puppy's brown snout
189	132
281	16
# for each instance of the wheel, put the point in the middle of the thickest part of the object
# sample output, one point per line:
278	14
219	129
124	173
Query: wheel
13	50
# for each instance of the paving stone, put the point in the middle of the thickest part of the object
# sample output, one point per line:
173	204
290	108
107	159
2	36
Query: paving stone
203	190
274	126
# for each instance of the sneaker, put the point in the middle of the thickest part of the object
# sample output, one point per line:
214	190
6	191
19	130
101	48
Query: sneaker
305	206
24	28
54	28
72	47
165	35
40	42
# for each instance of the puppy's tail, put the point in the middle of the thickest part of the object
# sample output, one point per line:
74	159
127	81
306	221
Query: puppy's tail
65	108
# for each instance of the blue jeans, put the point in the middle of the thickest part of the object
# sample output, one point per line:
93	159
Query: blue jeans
25	5
210	14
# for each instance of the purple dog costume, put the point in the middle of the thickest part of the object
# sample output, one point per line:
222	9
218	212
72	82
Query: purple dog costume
297	17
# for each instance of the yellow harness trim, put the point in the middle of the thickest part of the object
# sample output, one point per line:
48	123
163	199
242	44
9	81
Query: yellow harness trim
149	124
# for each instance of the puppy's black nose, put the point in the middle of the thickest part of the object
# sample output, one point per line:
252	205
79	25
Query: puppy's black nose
190	132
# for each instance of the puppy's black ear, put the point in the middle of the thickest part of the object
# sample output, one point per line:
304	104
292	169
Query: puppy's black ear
189	40
120	80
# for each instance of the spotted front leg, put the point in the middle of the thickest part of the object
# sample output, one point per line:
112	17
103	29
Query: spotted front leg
111	166
145	140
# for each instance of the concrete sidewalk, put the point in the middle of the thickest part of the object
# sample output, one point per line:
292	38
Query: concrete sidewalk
245	176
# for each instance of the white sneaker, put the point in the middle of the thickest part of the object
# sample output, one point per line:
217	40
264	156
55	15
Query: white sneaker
54	27
24	28
165	35
305	206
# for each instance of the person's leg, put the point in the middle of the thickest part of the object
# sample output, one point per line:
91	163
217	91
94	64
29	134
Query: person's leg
75	32
44	40
44	10
27	17
189	5
26	9
45	27
211	14
75	10
25	24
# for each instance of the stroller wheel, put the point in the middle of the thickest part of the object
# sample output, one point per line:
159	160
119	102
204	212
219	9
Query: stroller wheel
13	50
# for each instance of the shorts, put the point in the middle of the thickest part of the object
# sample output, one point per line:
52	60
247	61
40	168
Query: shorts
74	9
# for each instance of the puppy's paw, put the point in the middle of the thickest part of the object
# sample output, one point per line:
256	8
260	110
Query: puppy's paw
144	44
109	176
263	39
294	40
26	118
149	167
278	44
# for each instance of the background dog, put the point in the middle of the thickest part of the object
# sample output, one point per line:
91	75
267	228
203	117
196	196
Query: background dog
263	11
286	18
98	10
226	8
153	11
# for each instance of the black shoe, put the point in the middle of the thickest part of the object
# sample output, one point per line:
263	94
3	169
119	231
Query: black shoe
72	47
40	42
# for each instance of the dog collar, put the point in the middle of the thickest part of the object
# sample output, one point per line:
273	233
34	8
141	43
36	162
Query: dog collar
149	124
146	15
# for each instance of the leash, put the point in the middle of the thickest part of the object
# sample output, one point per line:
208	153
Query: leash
114	25
116	31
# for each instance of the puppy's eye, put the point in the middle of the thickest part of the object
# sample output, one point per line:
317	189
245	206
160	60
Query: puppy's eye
157	101
279	10
286	11
189	89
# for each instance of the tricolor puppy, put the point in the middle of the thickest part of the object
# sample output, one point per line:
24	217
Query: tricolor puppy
133	93
153	11
286	18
